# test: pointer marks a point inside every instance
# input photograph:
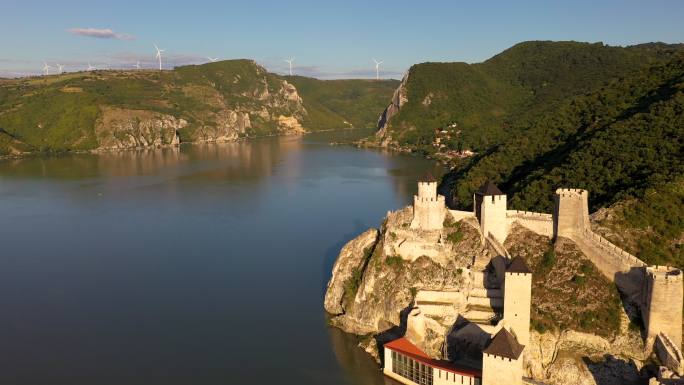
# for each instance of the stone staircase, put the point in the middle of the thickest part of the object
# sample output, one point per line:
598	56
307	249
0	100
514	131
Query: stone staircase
485	300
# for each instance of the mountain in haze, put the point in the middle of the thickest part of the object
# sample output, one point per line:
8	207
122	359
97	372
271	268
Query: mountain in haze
544	115
214	102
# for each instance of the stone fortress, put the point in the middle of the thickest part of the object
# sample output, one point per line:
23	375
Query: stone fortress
503	285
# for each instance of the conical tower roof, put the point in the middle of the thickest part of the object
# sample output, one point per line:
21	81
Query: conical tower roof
489	188
504	344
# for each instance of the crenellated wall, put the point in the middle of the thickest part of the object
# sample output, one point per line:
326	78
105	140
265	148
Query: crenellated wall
540	223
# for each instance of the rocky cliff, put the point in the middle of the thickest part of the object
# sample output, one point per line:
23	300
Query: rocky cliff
440	290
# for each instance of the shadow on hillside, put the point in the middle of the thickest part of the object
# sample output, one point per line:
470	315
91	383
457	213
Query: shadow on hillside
611	370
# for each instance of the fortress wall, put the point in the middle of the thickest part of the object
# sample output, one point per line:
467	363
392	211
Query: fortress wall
664	295
669	353
458	215
617	265
540	223
571	220
499	370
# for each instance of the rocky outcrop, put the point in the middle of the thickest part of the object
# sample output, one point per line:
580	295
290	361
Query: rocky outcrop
120	128
228	126
399	98
398	279
440	292
349	264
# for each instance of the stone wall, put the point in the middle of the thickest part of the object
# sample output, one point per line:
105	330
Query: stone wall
499	370
669	354
663	296
540	223
458	215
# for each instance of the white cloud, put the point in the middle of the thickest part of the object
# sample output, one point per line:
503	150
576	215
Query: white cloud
100	33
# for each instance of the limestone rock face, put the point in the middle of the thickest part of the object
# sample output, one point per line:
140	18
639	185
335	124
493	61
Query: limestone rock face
124	128
394	280
398	100
572	357
268	106
351	259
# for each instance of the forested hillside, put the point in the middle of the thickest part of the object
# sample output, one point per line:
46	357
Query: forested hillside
476	104
544	115
355	101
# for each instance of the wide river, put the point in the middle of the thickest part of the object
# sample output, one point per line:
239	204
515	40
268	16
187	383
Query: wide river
204	264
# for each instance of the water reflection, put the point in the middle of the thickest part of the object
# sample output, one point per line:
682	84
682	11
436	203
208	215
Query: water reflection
202	264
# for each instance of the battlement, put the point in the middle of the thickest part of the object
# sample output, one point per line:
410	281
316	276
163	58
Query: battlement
665	273
613	250
572	192
529	215
437	199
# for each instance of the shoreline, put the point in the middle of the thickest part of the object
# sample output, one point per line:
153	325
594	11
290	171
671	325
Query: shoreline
98	151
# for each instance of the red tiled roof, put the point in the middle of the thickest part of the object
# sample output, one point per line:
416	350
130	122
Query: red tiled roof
404	346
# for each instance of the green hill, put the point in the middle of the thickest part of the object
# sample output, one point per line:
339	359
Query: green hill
355	101
477	103
211	102
622	142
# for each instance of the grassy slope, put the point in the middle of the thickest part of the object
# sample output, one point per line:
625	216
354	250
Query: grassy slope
58	113
330	103
568	292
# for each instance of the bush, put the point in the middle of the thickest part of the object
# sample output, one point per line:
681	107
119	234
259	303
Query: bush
394	260
351	286
455	237
548	260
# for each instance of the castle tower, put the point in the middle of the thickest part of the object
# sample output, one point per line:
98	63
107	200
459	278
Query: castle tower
429	208
663	299
518	299
571	212
502	360
490	210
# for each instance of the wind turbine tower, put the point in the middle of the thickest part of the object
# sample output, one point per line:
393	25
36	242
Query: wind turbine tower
377	69
137	65
90	67
60	67
290	61
46	68
159	56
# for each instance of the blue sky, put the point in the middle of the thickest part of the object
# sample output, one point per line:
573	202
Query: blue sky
329	39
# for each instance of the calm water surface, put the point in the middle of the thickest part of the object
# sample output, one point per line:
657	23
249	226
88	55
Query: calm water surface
198	265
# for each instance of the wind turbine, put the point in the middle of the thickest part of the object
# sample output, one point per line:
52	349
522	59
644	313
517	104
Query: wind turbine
377	69
290	61
212	59
46	68
159	55
61	67
90	67
137	65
